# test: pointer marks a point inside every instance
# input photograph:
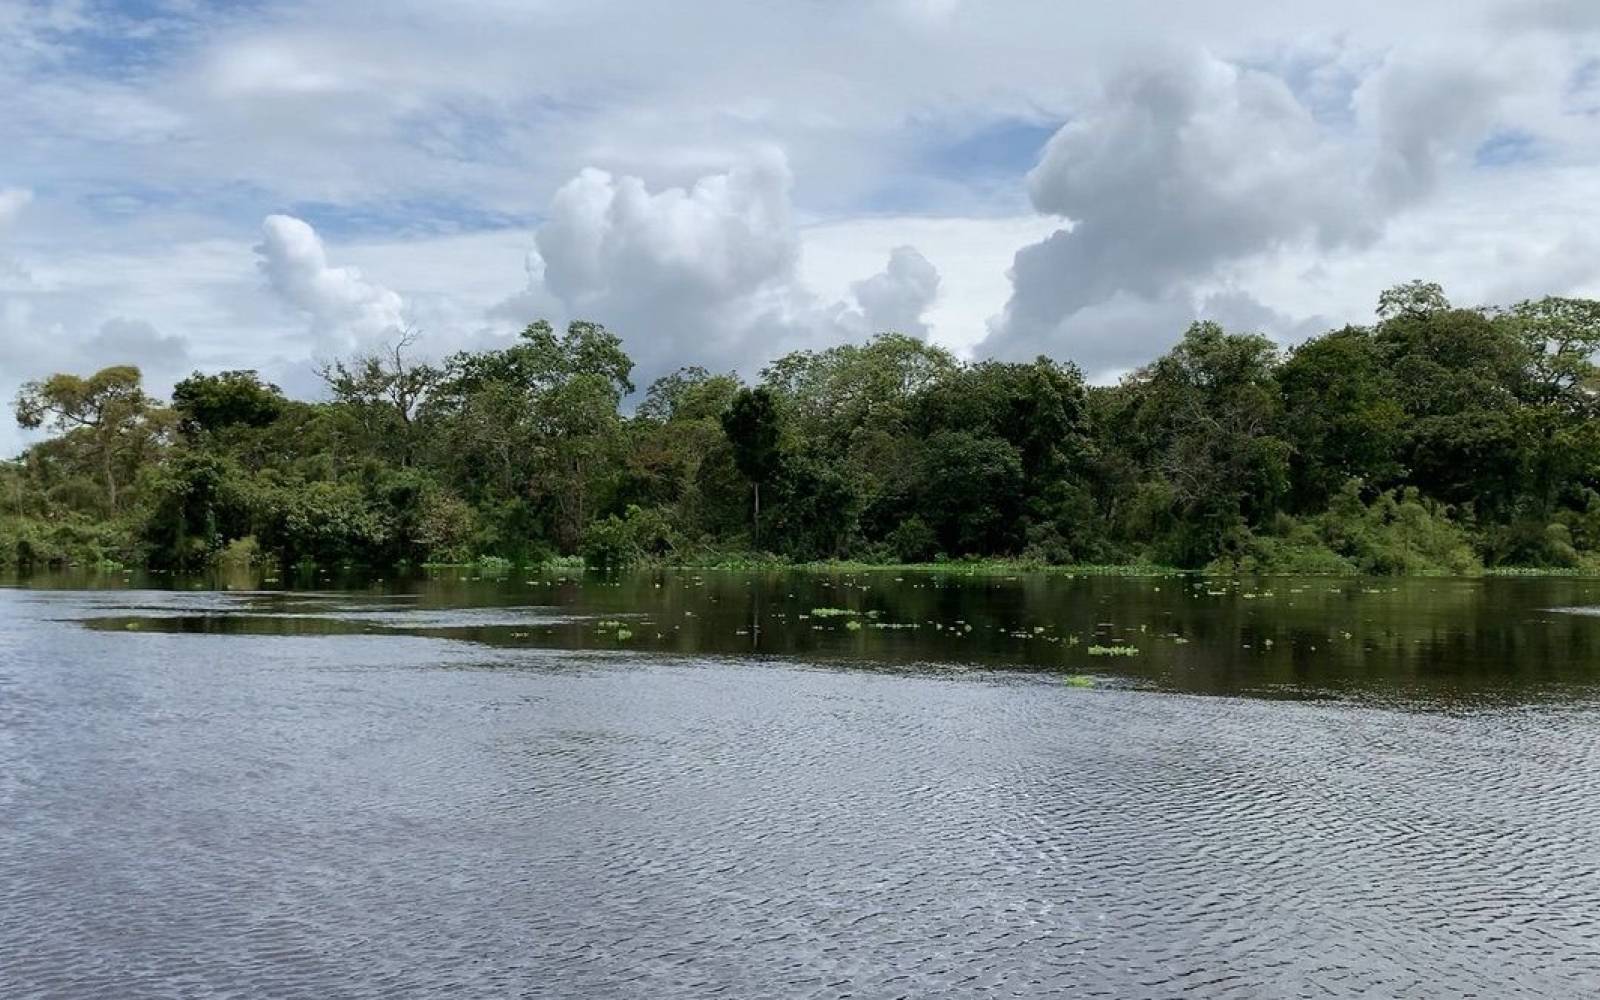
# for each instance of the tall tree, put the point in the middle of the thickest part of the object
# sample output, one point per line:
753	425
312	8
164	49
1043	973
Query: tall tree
1342	414
534	428
753	428
108	411
1459	375
1208	421
1561	395
384	391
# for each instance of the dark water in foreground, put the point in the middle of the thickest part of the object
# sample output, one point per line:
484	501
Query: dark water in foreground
677	786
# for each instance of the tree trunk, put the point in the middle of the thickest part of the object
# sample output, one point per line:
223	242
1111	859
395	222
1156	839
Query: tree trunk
111	480
757	539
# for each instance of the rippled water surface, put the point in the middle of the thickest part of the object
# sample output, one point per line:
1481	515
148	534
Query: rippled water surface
683	785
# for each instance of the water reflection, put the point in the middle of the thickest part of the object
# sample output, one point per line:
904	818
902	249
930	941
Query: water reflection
1441	640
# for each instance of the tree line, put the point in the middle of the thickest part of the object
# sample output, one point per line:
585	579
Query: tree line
1436	439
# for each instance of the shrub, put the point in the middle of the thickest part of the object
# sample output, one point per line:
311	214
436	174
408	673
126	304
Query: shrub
324	523
615	542
69	540
913	541
1397	533
241	553
446	527
1298	551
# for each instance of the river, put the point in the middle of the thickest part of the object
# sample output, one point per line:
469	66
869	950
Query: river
674	785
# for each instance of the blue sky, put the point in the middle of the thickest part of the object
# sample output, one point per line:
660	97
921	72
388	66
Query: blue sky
186	184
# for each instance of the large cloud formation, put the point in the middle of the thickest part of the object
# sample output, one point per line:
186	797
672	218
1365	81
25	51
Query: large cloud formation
1186	164
346	311
708	273
1274	171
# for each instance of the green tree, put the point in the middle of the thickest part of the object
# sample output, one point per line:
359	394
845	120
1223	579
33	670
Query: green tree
831	393
1207	422
970	492
200	503
108	412
1460	376
1342	416
1561	395
691	393
383	392
1412	300
753	428
533	430
211	403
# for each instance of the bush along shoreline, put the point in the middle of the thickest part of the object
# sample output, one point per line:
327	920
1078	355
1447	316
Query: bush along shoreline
1437	440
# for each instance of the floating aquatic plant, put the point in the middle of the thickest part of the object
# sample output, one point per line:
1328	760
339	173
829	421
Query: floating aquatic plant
1113	650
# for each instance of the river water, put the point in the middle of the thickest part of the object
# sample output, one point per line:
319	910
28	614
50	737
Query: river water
695	785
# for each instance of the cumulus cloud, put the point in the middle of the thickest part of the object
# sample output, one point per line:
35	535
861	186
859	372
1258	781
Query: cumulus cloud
344	308
727	235
1187	164
707	273
899	297
1425	110
1323	150
534	302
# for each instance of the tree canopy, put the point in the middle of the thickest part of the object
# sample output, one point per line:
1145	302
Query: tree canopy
1437	438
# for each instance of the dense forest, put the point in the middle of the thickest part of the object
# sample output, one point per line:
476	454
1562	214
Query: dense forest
1439	439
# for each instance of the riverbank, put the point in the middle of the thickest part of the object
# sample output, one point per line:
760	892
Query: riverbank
496	568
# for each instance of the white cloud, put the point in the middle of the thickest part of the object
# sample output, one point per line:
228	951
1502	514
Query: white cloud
1185	163
345	309
897	297
727	237
1320	151
972	255
708	273
1189	168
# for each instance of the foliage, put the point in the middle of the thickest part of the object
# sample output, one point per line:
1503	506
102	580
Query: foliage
199	504
323	522
446	527
615	542
105	417
913	541
30	543
752	425
1395	533
1436	440
212	403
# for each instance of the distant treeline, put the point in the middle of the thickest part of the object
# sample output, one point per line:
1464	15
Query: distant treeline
1440	439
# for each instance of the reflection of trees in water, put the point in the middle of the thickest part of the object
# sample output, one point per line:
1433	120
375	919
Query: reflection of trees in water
1440	637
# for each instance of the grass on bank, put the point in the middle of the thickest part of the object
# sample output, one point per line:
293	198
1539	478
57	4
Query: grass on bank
495	568
967	567
1409	540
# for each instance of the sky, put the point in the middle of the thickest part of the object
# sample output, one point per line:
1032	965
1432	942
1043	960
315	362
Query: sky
189	185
